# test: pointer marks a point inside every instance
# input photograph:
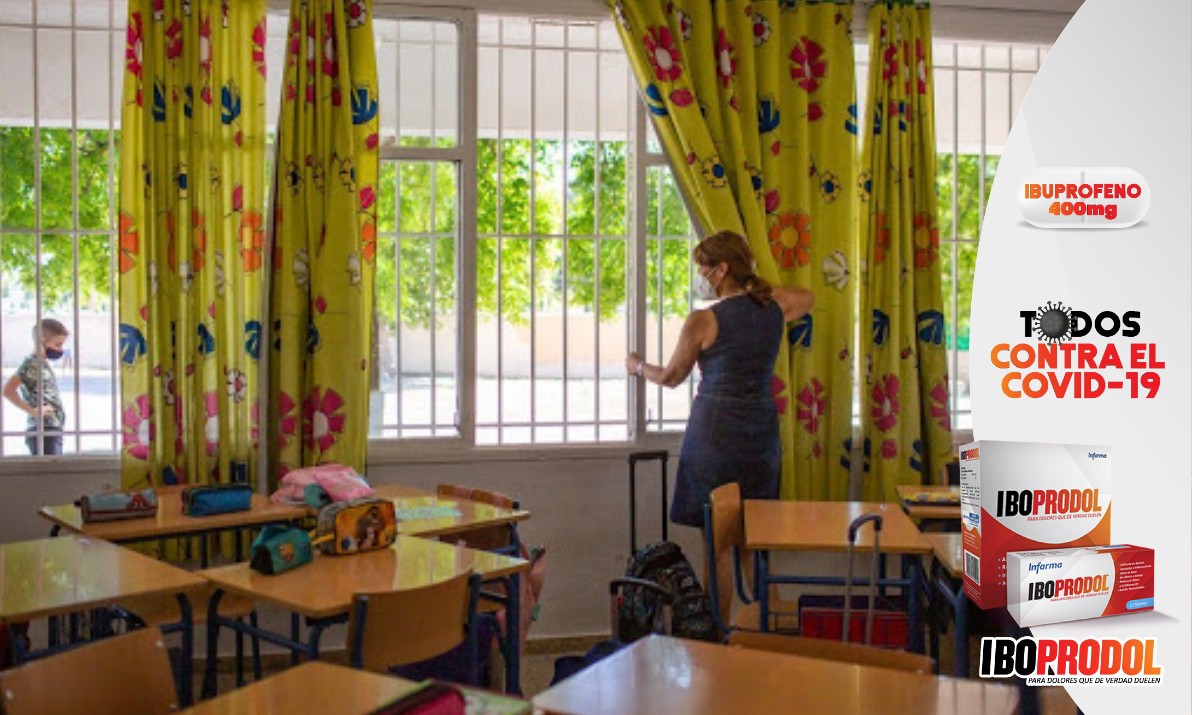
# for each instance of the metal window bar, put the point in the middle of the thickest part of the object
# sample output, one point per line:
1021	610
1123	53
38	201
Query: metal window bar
113	240
39	431
597	228
533	239
74	210
434	266
566	177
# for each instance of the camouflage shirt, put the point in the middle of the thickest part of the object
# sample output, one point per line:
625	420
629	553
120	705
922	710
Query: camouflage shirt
36	394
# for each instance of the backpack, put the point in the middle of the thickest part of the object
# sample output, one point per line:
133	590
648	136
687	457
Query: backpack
642	611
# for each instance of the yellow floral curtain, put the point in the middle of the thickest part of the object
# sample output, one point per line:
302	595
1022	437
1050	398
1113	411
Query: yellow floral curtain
324	238
192	150
755	105
905	408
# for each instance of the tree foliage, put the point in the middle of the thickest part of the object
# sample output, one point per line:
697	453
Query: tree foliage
530	196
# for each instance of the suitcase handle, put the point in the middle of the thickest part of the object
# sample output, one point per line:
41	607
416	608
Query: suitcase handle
860	521
662	456
853	528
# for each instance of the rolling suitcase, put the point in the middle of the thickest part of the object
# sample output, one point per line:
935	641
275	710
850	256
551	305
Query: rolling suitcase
885	623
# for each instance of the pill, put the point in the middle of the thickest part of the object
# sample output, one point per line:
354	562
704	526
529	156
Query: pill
1090	197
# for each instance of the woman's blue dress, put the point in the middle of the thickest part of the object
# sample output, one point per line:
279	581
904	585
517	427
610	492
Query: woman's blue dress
732	433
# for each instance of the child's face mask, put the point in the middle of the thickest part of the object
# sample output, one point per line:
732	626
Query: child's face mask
54	353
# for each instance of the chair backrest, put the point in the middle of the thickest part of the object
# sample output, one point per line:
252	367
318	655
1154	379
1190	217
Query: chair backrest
833	650
392	628
496	538
124	674
724	533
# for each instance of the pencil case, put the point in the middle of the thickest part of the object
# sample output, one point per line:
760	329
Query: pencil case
278	549
355	526
116	505
209	500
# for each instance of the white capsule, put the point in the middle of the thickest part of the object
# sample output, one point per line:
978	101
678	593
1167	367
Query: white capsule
1090	197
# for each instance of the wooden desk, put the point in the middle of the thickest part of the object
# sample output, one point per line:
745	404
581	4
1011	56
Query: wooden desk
322	590
57	576
949	551
917	508
313	688
472	515
666	675
772	525
823	526
170	521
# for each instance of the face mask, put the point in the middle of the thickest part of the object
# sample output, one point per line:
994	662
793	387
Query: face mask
703	287
52	354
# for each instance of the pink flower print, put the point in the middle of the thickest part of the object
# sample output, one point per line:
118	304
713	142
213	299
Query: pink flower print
812	405
920	67
807	67
939	405
885	402
323	420
205	45
237	384
664	56
287	422
367	198
889	449
211	425
174	40
356	12
258	46
134	50
776	388
330	57
255	423
726	62
139	430
311	42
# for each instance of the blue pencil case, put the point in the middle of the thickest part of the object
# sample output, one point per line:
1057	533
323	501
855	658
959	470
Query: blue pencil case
278	549
209	500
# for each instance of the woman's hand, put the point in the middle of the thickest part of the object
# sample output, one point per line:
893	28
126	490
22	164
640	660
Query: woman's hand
633	363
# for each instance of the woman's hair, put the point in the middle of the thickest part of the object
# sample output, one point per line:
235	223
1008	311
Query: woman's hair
732	249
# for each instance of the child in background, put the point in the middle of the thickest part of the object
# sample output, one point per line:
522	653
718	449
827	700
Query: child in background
37	396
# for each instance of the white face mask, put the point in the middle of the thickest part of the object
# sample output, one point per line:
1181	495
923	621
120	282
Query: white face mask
703	287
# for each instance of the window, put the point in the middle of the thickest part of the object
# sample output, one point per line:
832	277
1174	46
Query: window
59	141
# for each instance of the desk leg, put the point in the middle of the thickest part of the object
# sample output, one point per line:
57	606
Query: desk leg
762	576
186	663
295	632
915	606
20	644
209	686
316	632
960	632
513	636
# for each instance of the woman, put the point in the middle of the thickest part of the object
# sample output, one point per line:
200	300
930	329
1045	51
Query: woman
732	433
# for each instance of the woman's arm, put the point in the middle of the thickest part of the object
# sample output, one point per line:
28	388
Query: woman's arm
795	302
699	332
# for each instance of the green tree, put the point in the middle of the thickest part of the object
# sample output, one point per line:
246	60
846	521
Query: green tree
56	150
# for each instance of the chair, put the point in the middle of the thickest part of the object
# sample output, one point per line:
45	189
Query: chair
724	542
501	539
834	650
124	674
157	611
392	628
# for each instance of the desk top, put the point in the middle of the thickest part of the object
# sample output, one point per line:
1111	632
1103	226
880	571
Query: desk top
823	526
667	675
917	501
324	587
313	688
48	577
170	520
472	515
949	551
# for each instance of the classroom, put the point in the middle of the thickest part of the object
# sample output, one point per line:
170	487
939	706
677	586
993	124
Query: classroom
573	357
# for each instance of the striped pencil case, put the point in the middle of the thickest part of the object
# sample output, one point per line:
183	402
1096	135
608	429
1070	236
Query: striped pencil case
117	505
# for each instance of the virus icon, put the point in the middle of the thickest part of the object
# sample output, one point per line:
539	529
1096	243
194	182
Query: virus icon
1053	323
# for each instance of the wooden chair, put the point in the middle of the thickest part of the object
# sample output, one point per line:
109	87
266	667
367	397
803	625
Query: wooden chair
157	611
502	539
834	650
124	674
724	546
392	628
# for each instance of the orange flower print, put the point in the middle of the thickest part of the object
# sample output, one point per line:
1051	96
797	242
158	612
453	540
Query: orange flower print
130	243
368	241
927	240
881	238
790	239
252	240
199	232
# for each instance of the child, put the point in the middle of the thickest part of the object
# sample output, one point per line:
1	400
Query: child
38	396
